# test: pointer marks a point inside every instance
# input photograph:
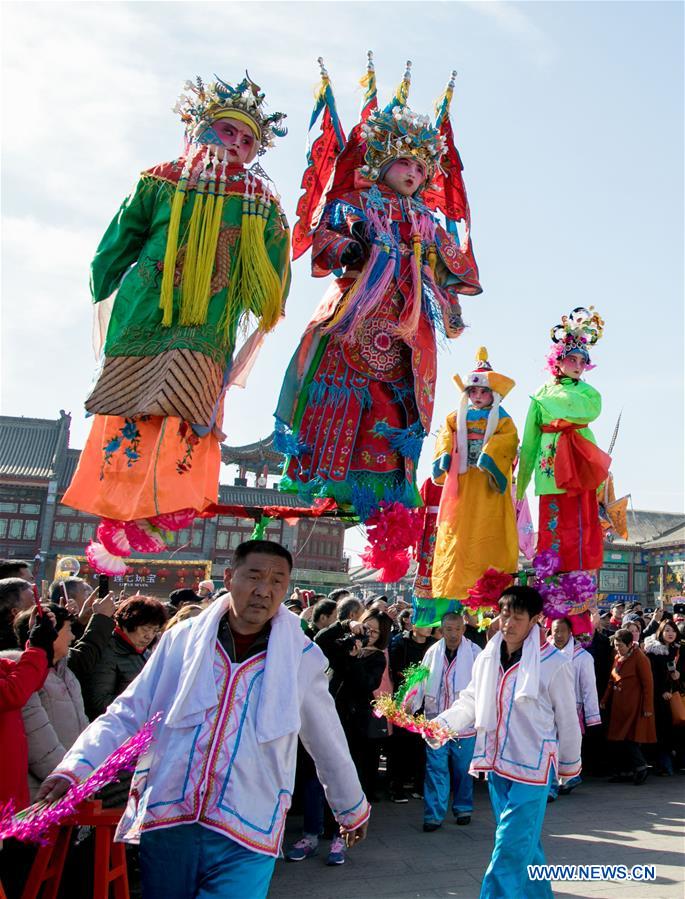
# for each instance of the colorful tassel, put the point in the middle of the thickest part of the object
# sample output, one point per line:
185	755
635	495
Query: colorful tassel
166	297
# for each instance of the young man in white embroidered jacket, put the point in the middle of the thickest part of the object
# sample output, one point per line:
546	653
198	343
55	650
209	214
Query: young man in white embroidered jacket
587	701
235	685
450	662
522	702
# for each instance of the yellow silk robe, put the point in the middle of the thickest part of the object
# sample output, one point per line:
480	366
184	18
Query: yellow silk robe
477	526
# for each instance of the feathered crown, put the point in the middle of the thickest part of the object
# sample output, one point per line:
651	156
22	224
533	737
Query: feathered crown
201	104
576	332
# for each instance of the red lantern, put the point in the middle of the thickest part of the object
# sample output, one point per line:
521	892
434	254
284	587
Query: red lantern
182	572
145	570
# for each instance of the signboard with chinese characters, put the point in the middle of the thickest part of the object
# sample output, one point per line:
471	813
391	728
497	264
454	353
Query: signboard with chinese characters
151	577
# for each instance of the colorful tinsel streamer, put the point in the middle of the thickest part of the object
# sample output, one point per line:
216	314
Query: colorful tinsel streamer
387	707
32	825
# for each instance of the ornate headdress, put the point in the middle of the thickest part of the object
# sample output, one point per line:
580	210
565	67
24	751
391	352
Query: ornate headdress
575	334
202	104
338	165
399	134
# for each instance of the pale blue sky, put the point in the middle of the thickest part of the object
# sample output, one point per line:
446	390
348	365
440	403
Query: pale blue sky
569	119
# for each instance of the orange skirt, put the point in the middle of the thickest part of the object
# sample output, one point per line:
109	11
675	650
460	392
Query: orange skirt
138	468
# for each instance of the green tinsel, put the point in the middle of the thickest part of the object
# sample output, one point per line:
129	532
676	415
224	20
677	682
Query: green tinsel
411	677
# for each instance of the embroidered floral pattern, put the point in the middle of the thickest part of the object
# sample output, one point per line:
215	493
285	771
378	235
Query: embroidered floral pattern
191	440
546	461
552	526
126	439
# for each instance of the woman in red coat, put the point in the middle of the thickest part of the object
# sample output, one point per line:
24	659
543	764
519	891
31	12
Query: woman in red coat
629	696
18	680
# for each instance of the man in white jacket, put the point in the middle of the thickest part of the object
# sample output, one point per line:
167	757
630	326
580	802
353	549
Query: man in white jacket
587	701
450	662
521	701
235	686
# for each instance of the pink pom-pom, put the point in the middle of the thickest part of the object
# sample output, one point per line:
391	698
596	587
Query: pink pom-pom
174	521
393	532
104	562
113	537
144	538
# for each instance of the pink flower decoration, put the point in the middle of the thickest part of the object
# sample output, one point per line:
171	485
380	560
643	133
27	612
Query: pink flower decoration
144	538
174	521
113	537
104	562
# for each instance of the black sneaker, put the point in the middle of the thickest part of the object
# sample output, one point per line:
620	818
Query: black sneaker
398	796
463	819
640	776
430	826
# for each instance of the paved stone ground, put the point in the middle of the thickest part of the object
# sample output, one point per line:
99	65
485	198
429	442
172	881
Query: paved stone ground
599	823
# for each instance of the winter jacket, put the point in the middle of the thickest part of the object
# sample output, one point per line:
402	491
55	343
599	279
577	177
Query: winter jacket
659	656
18	680
54	718
405	651
85	655
119	664
629	697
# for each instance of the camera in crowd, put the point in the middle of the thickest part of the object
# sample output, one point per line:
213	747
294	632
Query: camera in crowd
348	641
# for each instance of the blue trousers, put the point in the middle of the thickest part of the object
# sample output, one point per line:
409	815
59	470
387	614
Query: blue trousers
519	811
193	862
448	767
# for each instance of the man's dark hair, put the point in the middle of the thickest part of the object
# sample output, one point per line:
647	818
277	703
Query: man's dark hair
449	615
13	567
140	610
623	635
567	622
339	594
21	622
522	599
11	589
323	607
347	607
262	547
617	605
182	597
70	583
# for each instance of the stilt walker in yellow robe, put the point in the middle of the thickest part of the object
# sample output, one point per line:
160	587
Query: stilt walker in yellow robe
474	454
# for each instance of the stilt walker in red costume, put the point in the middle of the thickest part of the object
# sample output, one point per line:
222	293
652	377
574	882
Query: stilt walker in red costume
357	399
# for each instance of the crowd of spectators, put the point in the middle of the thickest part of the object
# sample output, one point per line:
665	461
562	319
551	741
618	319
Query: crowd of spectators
61	668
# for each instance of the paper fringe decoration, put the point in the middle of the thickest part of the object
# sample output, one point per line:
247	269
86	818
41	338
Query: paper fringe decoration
32	825
387	707
104	562
393	531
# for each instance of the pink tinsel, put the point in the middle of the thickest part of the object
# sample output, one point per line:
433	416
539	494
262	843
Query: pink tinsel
113	537
32	824
393	531
174	521
104	562
144	537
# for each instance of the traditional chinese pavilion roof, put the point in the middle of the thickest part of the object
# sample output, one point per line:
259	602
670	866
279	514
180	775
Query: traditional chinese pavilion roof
33	449
648	529
253	456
